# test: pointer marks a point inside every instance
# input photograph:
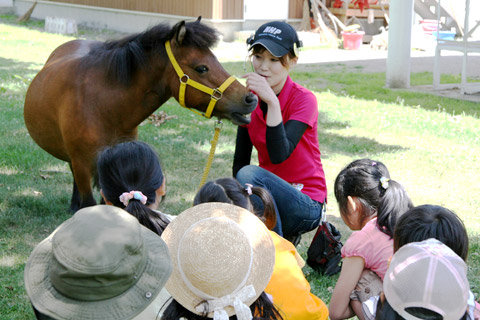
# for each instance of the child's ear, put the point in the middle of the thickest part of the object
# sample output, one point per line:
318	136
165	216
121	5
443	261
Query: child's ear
105	199
352	204
163	188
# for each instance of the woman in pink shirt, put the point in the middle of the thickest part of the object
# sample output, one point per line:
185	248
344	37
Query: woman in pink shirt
370	204
283	130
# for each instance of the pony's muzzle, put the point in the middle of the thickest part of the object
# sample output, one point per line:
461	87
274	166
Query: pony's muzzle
250	99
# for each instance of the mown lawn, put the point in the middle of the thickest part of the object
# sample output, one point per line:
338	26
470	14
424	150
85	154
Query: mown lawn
430	144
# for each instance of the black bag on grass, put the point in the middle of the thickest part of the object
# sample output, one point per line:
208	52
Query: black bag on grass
324	254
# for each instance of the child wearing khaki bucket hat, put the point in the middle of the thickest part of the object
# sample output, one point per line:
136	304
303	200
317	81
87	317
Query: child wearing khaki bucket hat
223	257
99	264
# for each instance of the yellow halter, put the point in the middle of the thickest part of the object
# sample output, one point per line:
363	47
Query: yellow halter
215	94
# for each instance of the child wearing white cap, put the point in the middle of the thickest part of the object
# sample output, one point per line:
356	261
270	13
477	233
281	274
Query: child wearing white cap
425	280
424	222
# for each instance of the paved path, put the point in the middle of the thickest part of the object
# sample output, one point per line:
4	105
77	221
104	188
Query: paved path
376	60
366	60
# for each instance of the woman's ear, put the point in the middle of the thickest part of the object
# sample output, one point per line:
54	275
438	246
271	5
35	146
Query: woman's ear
105	199
293	62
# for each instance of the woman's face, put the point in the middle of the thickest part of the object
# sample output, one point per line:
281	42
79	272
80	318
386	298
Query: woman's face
270	67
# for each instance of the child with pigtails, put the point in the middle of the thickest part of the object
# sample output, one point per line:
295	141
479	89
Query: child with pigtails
370	203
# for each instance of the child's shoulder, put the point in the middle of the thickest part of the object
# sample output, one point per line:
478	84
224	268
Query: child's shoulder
369	236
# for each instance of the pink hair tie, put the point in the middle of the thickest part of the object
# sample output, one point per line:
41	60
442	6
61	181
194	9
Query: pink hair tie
137	195
248	188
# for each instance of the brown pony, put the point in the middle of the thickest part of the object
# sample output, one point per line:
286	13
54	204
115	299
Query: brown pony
91	94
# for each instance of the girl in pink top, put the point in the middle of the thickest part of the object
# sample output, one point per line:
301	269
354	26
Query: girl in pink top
370	204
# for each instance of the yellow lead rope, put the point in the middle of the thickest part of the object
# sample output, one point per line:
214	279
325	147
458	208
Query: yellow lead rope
215	95
213	146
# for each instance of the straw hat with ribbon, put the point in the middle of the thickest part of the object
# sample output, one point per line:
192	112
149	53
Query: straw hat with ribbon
223	258
99	264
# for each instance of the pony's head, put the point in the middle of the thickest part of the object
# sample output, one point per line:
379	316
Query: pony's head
203	84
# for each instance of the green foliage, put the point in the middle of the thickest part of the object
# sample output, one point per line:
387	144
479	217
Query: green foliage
430	144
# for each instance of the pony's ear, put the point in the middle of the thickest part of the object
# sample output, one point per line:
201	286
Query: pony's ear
198	19
180	32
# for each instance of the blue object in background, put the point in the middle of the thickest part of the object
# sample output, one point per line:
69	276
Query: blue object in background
444	35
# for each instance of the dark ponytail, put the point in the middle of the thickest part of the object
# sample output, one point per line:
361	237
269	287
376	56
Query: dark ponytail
393	204
147	217
132	166
268	216
229	190
369	181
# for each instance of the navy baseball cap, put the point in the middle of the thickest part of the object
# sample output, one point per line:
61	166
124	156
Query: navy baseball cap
277	37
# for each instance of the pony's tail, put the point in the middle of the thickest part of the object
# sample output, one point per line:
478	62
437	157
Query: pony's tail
269	217
393	204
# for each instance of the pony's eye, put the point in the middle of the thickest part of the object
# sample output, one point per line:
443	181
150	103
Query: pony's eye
201	69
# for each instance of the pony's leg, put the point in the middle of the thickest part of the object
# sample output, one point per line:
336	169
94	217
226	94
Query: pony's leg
75	201
82	190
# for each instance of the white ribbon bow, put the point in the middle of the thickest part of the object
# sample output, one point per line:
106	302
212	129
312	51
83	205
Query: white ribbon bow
237	300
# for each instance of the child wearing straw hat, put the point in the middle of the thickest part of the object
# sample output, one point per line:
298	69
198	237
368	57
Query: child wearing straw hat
288	287
223	257
99	264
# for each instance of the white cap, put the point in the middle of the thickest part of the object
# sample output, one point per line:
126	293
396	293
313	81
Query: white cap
427	275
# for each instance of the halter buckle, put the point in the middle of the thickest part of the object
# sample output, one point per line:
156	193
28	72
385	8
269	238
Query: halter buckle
184	76
216	94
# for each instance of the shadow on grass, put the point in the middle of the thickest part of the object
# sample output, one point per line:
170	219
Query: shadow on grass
353	146
349	145
15	74
371	86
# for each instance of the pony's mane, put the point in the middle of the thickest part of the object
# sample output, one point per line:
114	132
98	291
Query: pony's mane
124	57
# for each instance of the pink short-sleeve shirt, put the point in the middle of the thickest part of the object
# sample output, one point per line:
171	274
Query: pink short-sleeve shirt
374	246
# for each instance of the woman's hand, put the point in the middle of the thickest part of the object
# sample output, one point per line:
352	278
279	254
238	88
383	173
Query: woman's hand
260	86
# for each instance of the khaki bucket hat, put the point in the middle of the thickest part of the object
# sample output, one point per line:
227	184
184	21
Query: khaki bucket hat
223	258
99	264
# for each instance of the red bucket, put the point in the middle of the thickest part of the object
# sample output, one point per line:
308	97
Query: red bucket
352	40
429	26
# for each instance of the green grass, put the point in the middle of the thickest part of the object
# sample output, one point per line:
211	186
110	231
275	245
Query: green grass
430	144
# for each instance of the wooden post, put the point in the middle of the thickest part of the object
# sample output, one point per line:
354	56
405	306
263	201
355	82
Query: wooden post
399	44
